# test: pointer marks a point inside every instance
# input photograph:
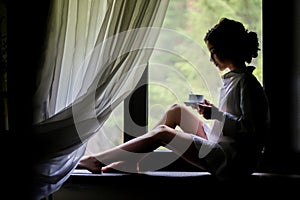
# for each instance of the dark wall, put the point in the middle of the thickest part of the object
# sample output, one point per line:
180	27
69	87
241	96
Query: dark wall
280	66
296	79
26	23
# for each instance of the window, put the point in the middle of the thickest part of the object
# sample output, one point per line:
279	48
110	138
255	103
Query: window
177	77
171	77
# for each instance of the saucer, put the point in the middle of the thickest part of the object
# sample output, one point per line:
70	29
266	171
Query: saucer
191	103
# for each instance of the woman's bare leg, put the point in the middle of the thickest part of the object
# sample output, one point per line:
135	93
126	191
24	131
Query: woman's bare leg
132	151
137	148
181	116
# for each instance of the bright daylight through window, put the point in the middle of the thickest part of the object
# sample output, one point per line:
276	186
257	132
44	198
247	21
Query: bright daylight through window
173	71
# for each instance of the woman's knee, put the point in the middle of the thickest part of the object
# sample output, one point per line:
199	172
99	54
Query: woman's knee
175	106
164	131
174	110
162	128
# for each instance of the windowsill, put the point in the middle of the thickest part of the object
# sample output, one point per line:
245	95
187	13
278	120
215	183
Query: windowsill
162	184
180	168
174	179
178	174
83	172
179	165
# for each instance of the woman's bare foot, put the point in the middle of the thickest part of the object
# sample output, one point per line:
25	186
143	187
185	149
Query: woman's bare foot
90	163
120	167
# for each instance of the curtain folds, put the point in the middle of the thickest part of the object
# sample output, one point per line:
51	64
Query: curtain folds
96	52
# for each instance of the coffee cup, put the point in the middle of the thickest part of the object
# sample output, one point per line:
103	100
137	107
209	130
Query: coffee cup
194	99
197	98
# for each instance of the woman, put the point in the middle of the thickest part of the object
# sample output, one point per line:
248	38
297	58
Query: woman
234	145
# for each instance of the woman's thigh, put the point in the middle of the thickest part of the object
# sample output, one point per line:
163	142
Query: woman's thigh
183	145
187	120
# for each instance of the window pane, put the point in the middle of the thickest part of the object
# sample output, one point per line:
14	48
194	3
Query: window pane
110	135
172	78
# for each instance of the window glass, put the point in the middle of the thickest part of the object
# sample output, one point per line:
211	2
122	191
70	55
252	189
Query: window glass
172	77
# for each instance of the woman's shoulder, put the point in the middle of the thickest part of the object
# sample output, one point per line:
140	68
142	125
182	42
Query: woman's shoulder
248	74
249	79
245	73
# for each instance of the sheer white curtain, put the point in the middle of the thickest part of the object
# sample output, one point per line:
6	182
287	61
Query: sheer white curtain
96	52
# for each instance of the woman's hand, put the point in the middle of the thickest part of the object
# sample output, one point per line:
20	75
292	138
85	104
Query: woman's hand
209	111
204	109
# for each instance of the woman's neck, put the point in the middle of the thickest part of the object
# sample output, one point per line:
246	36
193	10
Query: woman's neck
232	66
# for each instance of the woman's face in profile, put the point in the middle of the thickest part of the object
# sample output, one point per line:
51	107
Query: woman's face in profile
214	58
